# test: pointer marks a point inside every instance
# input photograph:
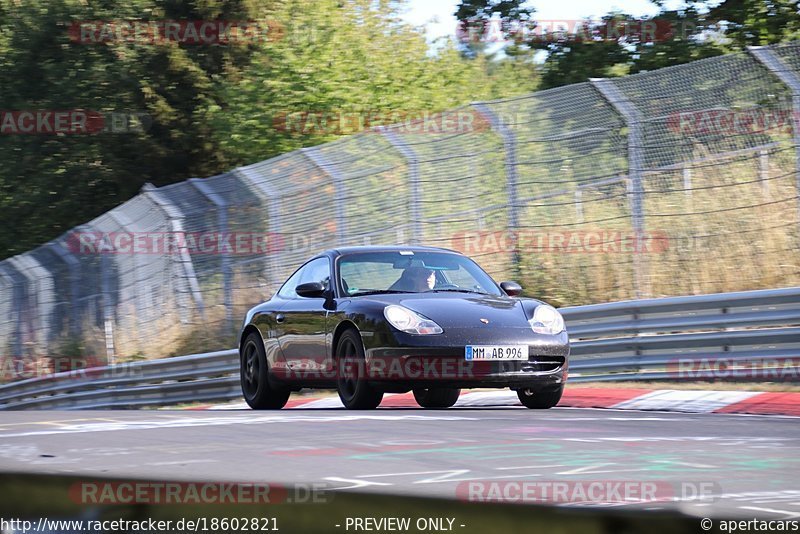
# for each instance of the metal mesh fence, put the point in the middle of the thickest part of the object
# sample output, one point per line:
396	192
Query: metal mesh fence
678	181
569	164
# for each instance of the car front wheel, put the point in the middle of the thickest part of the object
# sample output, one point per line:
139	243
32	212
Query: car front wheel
254	372
539	399
436	397
354	390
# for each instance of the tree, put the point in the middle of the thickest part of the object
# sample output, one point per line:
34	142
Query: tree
49	183
756	22
359	61
206	109
696	31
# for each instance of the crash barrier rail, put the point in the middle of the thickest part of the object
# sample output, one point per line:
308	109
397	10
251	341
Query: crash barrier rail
751	335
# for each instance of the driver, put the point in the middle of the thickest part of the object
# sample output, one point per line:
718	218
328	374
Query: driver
416	279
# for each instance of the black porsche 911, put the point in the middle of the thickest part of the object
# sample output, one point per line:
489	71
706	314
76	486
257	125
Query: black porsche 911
372	320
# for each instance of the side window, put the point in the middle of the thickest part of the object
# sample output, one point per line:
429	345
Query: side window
287	290
318	270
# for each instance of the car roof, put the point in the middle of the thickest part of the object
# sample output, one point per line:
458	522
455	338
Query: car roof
385	248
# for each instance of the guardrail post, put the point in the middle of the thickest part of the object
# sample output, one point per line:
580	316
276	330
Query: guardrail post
632	119
317	158
173	214
790	79
412	164
510	147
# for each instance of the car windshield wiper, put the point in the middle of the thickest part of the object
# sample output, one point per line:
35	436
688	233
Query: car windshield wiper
377	292
457	290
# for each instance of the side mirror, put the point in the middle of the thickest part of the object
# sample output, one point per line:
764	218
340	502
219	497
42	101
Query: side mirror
310	290
512	289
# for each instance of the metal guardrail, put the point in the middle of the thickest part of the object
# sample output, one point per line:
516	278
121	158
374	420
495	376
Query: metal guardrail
651	339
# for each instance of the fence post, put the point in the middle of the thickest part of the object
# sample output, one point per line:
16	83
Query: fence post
412	163
510	148
221	206
175	218
267	193
579	204
632	119
38	313
687	181
413	178
790	79
17	305
317	158
108	308
124	222
109	313
74	267
763	170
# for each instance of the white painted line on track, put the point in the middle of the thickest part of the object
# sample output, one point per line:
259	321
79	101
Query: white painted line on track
255	418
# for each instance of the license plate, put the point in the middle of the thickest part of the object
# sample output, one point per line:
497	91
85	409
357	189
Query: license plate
496	352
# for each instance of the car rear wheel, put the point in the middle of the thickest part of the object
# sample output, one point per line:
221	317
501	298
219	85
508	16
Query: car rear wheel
254	372
436	397
354	390
539	399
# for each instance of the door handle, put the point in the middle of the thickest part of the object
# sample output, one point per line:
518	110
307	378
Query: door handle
280	318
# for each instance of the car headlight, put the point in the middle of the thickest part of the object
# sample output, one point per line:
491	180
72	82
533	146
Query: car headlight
546	320
410	322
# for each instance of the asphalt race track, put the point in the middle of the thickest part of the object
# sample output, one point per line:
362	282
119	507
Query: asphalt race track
747	466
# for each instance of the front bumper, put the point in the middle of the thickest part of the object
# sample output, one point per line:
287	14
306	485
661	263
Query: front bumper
397	362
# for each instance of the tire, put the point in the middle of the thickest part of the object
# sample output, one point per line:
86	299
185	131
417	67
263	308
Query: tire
539	399
436	397
254	375
354	390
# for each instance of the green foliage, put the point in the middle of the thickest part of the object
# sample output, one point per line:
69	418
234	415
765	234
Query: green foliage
208	108
358	59
700	30
48	183
757	22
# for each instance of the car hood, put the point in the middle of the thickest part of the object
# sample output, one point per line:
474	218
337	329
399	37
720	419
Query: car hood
464	309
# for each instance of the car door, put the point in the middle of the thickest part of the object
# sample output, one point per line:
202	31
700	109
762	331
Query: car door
302	321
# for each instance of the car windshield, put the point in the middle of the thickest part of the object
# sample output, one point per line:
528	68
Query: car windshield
412	272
